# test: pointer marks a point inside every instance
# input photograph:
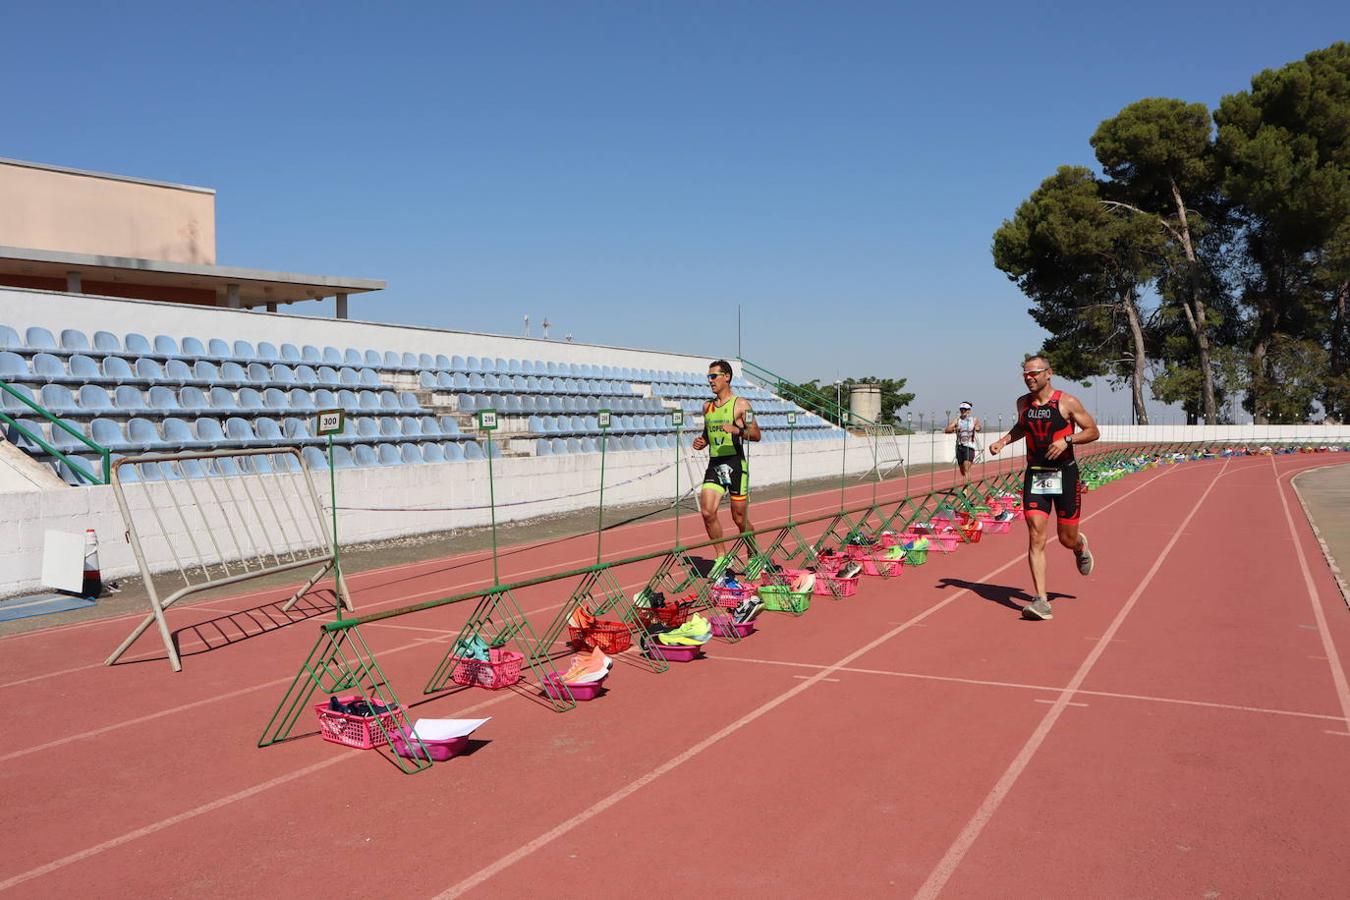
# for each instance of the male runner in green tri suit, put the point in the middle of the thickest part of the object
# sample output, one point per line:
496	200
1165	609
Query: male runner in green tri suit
727	422
1047	419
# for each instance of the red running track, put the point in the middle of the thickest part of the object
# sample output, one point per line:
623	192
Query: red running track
1180	728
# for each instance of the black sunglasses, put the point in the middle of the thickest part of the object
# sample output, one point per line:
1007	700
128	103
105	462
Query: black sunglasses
713	376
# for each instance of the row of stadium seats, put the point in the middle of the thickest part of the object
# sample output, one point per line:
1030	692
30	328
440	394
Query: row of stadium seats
513	405
96	401
162	347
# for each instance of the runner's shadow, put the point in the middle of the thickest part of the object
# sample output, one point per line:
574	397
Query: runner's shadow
1002	594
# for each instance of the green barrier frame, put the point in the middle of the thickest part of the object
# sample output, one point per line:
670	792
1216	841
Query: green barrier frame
75	466
341	659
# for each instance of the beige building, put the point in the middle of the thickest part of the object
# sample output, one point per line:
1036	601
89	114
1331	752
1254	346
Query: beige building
89	232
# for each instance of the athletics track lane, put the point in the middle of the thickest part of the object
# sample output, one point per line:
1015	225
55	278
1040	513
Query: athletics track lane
627	735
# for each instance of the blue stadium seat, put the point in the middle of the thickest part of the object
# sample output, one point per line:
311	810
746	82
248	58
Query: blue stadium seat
129	399
349	377
427	381
239	431
164	346
473	364
267	352
410	427
574	445
301	401
107	433
218	350
314	458
226	466
282	376
74	341
390	428
328	377
296	431
13	367
410	454
388	401
276	399
558	446
49	369
348	400
256	464
243	352
193	349
269	432
407	401
41	340
290	354
143	435
372	359
453	452
284	462
365	455
94	400
138	345
368	401
193	400
332	357
9	339
542	447
369	379
473	451
164	401
467	403
179	435
342	458
222	400
149	371
232	374
433	453
65	442
325	399
85	371
368	428
250	401
58	400
258	374
177	371
409	361
305	376
351	357
390	360
449	426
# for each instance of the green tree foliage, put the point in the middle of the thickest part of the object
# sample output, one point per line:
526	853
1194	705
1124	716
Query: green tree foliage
1158	156
1284	152
1238	243
1082	264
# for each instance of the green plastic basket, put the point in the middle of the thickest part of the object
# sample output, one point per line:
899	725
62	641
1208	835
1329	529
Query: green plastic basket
779	598
916	557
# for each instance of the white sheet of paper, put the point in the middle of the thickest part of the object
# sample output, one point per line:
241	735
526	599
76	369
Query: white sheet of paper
446	729
63	561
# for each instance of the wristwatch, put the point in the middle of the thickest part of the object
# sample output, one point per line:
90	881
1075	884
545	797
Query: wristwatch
1068	439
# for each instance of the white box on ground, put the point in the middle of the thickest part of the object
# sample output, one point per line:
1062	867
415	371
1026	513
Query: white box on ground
63	561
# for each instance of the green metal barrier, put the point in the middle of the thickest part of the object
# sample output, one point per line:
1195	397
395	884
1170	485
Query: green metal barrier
75	466
498	614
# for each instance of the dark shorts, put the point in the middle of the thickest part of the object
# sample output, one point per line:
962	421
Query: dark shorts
728	475
964	454
1067	504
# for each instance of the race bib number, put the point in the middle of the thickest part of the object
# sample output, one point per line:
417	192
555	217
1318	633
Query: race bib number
1047	482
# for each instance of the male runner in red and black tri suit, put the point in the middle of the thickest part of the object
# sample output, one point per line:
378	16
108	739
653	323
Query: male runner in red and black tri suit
1046	418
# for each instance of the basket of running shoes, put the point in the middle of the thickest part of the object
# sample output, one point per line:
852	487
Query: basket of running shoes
585	631
354	721
794	597
656	612
876	561
478	665
916	550
997	523
583	680
730	591
843	582
740	620
682	643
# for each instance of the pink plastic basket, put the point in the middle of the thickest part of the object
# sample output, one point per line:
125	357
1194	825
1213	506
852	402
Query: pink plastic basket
360	732
993	526
438	751
730	598
502	669
673	654
723	626
554	687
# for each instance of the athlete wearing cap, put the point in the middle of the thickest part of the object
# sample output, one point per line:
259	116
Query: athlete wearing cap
1047	419
964	427
728	420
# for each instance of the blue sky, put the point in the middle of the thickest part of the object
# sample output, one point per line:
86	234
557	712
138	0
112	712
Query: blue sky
634	171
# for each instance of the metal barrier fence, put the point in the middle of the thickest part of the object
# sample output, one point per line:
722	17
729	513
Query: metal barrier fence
341	659
219	531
